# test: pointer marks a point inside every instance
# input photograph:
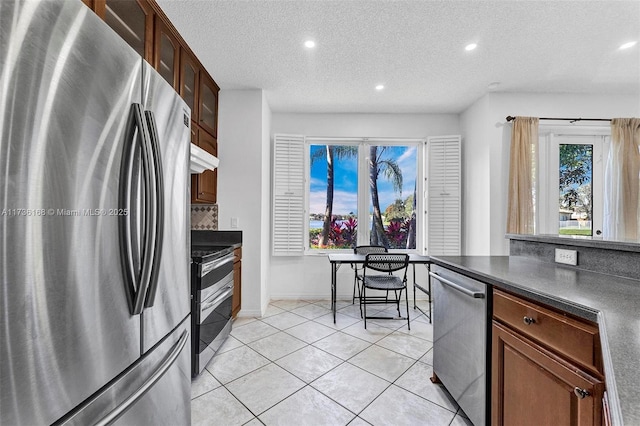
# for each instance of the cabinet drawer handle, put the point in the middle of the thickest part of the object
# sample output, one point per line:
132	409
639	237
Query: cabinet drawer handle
528	320
581	393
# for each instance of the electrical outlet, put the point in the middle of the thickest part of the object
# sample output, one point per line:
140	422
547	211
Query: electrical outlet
568	257
234	223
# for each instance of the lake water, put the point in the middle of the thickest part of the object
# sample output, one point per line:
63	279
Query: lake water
317	224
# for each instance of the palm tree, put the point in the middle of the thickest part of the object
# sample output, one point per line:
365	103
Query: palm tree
391	171
329	153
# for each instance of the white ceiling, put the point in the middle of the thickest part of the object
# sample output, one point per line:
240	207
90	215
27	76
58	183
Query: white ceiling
415	48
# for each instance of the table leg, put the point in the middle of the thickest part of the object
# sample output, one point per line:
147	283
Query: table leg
334	273
427	291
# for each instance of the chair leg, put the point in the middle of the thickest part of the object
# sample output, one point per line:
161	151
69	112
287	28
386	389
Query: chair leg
414	286
406	298
355	282
360	296
363	301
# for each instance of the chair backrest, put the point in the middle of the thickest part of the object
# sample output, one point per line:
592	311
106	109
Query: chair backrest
386	262
369	249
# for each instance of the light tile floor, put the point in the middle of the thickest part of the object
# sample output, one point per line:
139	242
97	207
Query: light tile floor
295	366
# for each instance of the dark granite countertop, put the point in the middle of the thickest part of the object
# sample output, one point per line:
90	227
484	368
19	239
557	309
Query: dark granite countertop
613	302
579	241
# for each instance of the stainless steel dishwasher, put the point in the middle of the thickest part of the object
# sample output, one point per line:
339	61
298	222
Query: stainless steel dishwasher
460	340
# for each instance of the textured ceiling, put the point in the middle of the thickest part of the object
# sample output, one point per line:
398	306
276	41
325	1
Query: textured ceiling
414	48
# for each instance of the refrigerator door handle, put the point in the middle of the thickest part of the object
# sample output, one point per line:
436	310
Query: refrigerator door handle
136	283
150	221
159	201
168	361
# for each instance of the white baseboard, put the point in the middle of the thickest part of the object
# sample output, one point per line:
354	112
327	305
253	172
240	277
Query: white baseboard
249	313
287	296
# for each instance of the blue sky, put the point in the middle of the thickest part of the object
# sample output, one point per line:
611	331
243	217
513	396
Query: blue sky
345	197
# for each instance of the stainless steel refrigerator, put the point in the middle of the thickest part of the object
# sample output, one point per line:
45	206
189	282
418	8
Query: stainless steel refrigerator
94	218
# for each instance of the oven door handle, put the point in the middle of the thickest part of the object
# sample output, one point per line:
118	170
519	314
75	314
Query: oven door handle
208	267
226	292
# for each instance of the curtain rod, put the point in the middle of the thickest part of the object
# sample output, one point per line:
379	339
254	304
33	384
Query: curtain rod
573	120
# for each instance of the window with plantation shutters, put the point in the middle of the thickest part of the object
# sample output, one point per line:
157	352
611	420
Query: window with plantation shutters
288	195
443	215
305	189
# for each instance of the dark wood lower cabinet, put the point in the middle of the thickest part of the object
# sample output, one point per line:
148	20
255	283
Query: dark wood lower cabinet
236	302
533	386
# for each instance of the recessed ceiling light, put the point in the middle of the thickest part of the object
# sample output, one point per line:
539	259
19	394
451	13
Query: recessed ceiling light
470	46
309	44
628	45
379	87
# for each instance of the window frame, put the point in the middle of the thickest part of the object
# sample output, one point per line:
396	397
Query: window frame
548	171
363	194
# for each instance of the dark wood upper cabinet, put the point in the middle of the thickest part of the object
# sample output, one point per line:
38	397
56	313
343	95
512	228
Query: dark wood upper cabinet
167	54
189	81
204	185
208	105
131	19
145	27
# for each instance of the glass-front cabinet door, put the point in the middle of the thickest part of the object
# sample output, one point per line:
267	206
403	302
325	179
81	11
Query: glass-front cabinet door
132	20
167	54
189	73
208	105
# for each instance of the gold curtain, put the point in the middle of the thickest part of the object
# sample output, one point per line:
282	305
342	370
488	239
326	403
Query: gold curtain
622	181
524	148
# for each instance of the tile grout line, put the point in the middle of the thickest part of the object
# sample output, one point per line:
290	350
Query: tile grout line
334	331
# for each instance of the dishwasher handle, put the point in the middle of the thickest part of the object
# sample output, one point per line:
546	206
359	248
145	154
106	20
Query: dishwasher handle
461	289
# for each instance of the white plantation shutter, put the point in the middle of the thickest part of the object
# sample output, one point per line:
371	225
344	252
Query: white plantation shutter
444	195
288	195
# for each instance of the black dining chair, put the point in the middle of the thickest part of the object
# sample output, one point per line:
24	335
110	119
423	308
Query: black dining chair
387	263
357	268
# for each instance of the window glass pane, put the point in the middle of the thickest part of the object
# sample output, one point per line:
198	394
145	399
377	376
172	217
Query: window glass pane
392	187
333	196
167	53
208	107
189	85
127	19
575	203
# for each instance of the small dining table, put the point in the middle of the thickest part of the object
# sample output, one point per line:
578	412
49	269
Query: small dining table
338	259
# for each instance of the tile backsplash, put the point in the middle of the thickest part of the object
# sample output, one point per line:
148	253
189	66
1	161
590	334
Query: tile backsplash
204	217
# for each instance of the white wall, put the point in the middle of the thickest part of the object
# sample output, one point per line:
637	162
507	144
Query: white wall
246	126
265	208
243	149
484	131
309	276
476	188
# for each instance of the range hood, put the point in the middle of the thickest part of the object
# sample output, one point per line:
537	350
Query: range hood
201	160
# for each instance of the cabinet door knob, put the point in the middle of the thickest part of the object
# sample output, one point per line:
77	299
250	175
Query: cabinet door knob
581	393
528	320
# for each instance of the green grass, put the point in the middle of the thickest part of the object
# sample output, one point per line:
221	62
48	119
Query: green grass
575	232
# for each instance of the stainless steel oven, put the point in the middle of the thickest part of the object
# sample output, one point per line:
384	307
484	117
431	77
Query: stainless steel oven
212	290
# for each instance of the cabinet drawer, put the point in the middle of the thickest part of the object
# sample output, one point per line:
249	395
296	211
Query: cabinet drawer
575	339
